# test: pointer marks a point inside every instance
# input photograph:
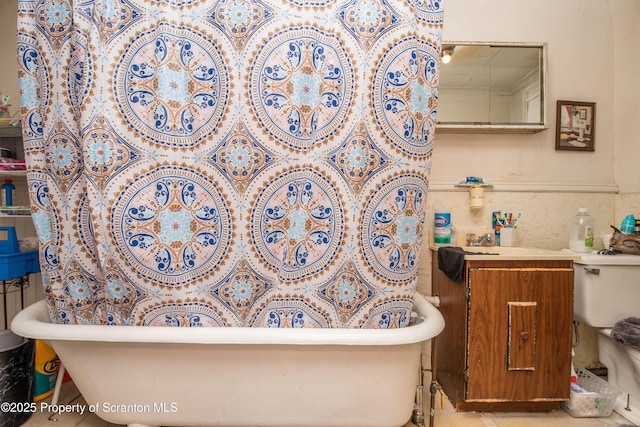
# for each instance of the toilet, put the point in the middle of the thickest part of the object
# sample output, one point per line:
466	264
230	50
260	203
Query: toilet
607	289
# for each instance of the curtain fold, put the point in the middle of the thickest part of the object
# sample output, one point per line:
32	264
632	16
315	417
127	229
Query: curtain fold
229	163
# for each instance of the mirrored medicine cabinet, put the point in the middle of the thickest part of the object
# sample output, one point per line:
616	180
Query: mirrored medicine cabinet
492	87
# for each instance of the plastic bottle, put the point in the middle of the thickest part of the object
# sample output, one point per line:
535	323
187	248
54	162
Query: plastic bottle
7	192
442	228
627	224
46	372
581	232
454	236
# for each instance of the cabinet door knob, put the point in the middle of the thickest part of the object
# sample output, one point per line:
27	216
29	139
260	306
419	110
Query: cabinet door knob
524	335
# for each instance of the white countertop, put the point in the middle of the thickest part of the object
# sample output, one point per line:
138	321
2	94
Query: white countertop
517	253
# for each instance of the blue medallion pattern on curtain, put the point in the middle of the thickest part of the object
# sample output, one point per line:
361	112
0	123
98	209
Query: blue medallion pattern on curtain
230	162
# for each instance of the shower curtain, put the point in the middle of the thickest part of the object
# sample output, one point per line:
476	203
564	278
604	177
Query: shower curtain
229	162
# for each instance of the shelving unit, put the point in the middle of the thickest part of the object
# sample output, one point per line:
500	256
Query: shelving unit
10	131
13	174
11	139
16	211
16	292
25	212
19	284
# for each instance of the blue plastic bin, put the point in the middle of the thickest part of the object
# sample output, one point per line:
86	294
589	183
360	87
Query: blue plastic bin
19	264
8	240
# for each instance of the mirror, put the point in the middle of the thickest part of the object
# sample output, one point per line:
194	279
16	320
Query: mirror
492	87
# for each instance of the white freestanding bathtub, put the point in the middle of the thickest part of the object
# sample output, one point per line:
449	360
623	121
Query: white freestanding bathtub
165	376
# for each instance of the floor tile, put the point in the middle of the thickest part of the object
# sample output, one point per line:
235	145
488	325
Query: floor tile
444	416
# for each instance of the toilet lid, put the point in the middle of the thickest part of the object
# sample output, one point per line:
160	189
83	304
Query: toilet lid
598	259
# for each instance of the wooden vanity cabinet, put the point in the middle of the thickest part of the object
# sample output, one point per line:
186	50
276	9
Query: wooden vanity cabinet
506	345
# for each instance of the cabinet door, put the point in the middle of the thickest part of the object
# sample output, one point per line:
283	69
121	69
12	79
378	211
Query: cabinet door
519	334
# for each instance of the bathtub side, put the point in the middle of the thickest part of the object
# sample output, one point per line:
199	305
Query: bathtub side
344	382
33	322
245	385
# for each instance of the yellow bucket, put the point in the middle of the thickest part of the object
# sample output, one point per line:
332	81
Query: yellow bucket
47	365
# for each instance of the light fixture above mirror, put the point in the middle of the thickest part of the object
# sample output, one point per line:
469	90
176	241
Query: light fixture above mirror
492	87
447	52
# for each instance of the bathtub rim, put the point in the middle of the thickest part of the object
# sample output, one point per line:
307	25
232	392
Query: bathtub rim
34	322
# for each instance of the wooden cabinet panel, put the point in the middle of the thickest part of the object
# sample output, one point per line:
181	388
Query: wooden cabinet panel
507	338
547	295
521	330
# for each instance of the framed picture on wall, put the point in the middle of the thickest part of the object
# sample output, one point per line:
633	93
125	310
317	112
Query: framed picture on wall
575	126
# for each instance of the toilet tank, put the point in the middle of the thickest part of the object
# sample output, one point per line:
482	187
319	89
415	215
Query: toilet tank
606	289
